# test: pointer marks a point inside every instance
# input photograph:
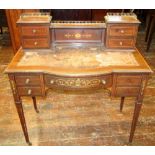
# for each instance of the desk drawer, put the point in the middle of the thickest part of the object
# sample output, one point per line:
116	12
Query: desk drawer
36	43
27	80
35	30
127	91
121	43
78	82
29	91
125	30
126	80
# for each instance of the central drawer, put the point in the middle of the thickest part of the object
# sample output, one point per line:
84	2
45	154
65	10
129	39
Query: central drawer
78	82
78	35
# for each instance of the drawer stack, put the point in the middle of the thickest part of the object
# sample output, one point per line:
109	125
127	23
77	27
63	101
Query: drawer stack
121	31
29	84
35	30
127	85
35	36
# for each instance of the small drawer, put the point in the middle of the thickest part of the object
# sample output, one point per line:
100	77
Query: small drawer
28	80
116	30
29	91
127	91
78	82
35	31
121	43
123	80
36	43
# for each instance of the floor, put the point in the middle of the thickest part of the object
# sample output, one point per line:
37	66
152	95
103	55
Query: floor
77	119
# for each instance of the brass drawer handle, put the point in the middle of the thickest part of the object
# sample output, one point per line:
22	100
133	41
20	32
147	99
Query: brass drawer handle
35	43
122	31
34	31
52	81
29	92
121	43
27	81
103	81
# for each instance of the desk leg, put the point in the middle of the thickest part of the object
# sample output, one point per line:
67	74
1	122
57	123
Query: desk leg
20	111
19	107
35	104
135	119
122	103
138	105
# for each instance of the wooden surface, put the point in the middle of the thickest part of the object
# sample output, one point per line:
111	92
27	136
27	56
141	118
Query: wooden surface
120	79
139	64
92	119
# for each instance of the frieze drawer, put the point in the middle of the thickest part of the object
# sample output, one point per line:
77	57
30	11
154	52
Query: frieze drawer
36	43
78	82
35	31
28	80
127	91
78	35
125	80
118	30
29	91
121	43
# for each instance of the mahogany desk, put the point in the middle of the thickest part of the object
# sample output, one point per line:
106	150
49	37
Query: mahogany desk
79	56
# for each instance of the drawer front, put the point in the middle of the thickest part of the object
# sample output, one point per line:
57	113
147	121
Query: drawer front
35	31
29	91
127	91
78	82
121	43
36	43
116	30
78	35
28	80
129	80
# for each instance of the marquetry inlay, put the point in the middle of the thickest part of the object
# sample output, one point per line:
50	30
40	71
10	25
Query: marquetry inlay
77	36
78	82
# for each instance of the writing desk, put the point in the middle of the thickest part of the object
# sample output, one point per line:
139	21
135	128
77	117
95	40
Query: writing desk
79	57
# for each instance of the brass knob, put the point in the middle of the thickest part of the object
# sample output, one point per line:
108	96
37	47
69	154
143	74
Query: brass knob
121	43
52	81
34	31
29	92
35	43
122	31
27	81
103	82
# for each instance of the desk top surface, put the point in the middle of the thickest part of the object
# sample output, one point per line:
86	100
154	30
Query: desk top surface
78	61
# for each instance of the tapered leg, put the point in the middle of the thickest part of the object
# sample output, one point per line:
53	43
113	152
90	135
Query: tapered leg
148	21
150	34
122	103
19	107
35	104
134	120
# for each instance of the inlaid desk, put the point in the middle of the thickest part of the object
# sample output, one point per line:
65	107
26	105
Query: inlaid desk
79	56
